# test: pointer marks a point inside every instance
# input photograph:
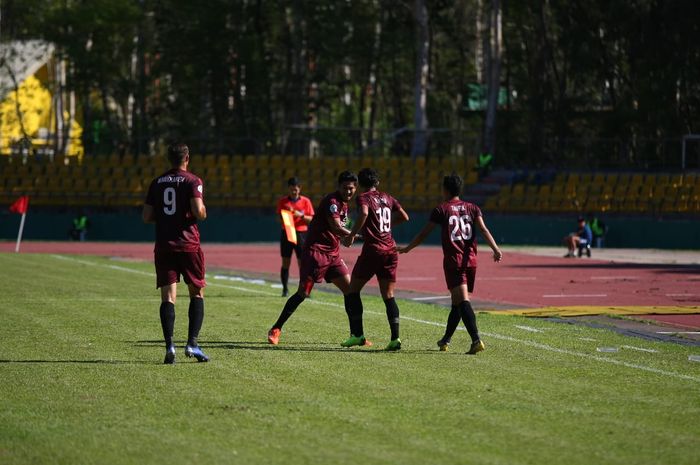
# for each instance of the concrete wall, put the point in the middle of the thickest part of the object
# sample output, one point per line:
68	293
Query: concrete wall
226	226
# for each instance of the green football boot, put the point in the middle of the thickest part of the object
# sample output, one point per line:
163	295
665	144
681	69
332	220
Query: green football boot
394	345
356	341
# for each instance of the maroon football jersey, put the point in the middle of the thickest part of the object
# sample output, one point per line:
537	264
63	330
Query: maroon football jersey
456	218
320	237
377	229
170	195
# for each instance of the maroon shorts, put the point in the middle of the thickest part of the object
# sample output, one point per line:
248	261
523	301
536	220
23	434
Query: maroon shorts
371	263
457	276
316	266
170	265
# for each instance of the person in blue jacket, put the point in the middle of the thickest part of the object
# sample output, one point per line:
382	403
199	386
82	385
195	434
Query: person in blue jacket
580	238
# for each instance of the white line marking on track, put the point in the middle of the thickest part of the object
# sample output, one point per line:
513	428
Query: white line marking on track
501	337
434	297
678	332
680	295
554	296
614	277
641	349
529	328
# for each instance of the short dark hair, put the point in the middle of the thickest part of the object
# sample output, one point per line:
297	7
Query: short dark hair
293	181
347	176
368	177
452	183
177	153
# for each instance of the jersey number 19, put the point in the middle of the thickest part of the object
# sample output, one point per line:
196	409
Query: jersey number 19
384	215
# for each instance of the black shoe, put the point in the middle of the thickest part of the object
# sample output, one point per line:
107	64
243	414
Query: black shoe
169	356
285	292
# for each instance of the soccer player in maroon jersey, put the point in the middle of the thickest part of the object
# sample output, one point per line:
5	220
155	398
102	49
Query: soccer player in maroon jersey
303	211
377	213
320	258
174	203
457	219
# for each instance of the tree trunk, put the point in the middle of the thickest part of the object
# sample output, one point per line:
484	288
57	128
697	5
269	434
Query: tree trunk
493	68
420	117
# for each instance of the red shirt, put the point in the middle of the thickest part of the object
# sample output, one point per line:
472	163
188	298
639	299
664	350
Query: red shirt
320	236
458	236
170	195
377	229
302	204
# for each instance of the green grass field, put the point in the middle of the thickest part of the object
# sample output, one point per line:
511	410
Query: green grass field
82	382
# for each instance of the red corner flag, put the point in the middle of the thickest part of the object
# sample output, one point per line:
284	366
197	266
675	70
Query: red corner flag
20	205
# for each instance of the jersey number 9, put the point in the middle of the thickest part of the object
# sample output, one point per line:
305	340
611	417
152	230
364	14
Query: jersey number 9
169	201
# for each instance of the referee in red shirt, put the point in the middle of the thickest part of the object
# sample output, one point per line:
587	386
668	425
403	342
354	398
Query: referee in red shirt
303	211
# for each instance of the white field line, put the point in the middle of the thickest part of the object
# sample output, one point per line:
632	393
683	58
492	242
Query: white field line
554	296
537	345
434	297
587	339
529	328
641	349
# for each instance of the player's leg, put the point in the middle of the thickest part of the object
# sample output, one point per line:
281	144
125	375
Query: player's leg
192	267
312	266
386	276
353	303
453	320
286	249
460	298
168	295
354	310
166	279
386	288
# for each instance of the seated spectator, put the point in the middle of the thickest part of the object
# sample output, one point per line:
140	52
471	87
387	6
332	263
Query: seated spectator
581	238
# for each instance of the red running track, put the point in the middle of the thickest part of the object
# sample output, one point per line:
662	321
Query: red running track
520	280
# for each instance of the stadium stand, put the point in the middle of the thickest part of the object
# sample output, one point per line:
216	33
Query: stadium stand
636	193
257	181
230	182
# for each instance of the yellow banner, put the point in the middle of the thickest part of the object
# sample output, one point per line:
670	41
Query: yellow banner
288	222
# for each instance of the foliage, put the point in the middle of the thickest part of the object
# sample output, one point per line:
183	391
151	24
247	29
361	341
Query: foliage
249	76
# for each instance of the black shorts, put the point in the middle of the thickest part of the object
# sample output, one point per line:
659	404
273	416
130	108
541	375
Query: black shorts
287	247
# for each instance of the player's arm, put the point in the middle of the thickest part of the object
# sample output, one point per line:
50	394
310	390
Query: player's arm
398	216
147	214
497	254
198	209
420	237
359	223
336	226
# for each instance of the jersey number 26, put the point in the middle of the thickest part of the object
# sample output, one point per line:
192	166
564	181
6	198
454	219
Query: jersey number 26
461	228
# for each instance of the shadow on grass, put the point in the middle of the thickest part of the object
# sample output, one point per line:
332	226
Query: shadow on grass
297	347
89	362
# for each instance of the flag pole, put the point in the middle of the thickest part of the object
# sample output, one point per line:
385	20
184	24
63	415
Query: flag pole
21	230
